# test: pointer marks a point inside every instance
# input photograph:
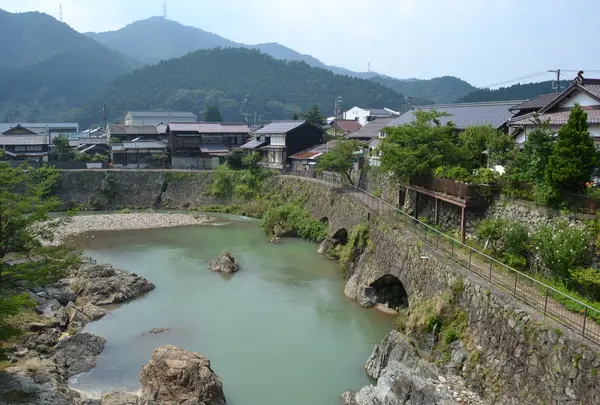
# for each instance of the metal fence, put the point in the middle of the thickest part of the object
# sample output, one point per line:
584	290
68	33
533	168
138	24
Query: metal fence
554	304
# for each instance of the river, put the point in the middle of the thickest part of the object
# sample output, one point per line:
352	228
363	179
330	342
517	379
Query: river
278	332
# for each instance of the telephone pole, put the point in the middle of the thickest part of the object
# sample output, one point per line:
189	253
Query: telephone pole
104	116
556	84
60	13
165	10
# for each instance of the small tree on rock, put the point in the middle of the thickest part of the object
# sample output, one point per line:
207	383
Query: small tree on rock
574	157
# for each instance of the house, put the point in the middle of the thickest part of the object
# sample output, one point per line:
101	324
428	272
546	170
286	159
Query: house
44	128
280	139
307	159
122	133
364	115
345	127
158	117
533	105
204	145
372	129
137	154
463	115
19	143
90	146
585	92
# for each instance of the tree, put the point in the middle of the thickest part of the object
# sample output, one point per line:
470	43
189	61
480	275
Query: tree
574	157
473	142
212	114
420	147
536	152
314	116
340	159
61	150
25	199
234	159
499	147
295	117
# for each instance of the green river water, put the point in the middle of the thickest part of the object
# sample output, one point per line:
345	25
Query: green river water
278	332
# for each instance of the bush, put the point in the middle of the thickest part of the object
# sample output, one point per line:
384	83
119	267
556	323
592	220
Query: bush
507	239
588	282
458	173
293	220
485	176
357	242
561	248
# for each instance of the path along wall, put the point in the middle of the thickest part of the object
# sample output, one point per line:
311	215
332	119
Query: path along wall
510	353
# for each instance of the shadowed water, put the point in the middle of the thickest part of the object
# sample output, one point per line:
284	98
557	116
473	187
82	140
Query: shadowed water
278	332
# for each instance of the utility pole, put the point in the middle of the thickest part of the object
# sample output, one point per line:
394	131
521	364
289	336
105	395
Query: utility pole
337	112
556	84
247	103
60	13
104	116
165	10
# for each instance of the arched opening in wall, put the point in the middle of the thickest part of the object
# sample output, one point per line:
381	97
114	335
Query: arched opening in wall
325	220
340	237
388	290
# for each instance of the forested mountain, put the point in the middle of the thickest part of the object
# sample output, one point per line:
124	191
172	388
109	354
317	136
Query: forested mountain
158	39
50	67
223	77
514	92
441	90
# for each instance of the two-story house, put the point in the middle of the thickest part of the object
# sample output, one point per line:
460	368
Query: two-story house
280	139
19	143
204	145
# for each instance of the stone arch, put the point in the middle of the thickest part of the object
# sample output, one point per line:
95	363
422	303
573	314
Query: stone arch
388	290
340	237
325	220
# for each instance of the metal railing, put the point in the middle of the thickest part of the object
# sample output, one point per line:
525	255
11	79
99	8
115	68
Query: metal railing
551	302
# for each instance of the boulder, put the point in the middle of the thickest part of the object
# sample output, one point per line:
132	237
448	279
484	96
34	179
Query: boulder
77	319
176	377
225	263
61	292
53	310
103	284
119	398
77	354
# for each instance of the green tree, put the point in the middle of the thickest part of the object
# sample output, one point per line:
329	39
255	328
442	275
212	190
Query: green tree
25	199
61	150
536	152
314	116
473	142
340	159
500	147
420	147
212	114
574	157
295	116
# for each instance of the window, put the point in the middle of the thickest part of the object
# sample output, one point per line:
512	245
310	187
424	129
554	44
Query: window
20	148
35	148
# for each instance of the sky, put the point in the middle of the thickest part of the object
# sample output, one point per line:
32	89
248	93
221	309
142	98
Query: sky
482	41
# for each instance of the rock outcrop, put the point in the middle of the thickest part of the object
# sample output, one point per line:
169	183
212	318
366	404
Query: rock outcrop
77	354
175	377
405	379
102	284
225	263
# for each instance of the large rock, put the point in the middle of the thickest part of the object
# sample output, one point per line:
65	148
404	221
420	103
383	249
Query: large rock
119	398
176	377
53	310
225	263
77	354
103	284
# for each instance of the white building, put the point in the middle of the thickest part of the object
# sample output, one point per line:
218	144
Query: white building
556	112
364	115
158	117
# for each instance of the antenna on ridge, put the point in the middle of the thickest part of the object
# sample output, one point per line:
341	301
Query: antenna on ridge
165	10
369	66
60	14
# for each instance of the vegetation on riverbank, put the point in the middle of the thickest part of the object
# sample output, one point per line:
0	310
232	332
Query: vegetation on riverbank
25	199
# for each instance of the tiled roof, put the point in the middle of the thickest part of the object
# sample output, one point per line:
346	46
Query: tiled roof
88	141
160	114
556	118
348	126
592	85
38	126
371	129
209	127
24	140
116	130
315	151
536	103
253	144
464	115
379	111
280	127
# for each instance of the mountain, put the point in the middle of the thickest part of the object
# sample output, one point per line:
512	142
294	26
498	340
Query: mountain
441	90
225	76
514	92
52	67
156	39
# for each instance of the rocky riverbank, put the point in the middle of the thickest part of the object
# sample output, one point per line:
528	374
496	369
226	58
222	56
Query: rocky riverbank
80	224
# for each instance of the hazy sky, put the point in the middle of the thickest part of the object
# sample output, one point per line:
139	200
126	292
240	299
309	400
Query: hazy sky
481	41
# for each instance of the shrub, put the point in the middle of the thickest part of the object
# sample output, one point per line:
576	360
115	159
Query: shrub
458	173
588	281
485	176
357	242
561	248
440	172
293	220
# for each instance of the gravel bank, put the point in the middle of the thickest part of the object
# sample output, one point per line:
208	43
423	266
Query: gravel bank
117	222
